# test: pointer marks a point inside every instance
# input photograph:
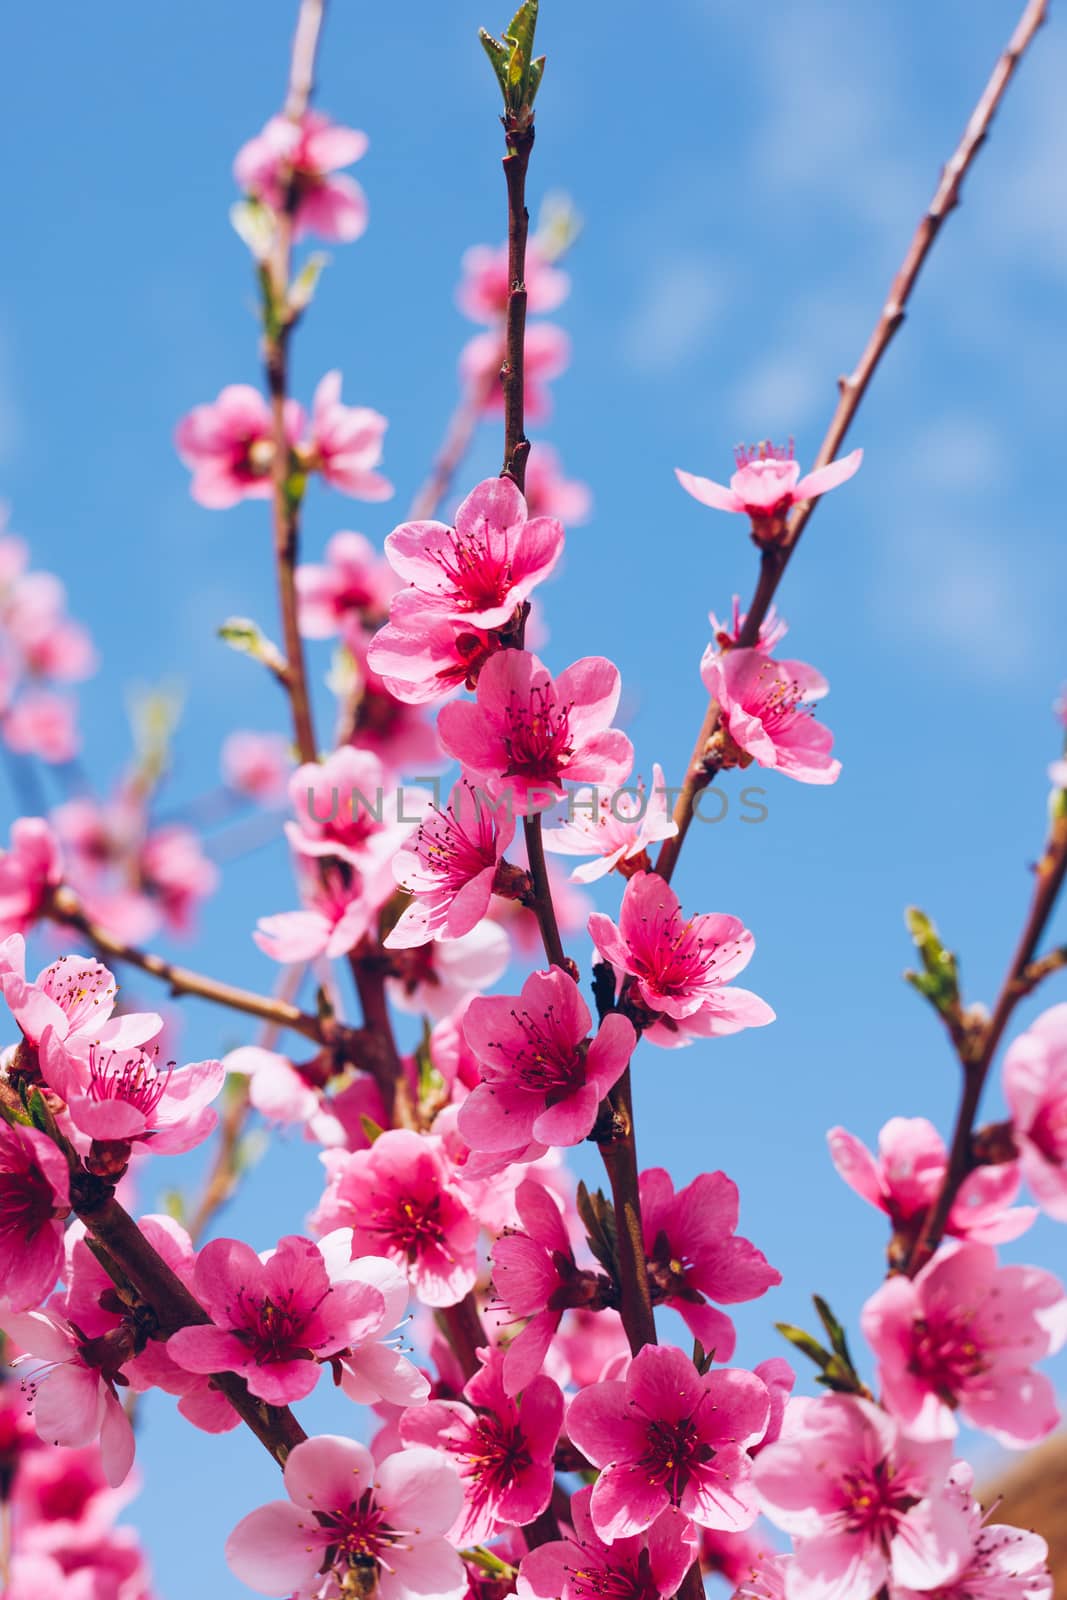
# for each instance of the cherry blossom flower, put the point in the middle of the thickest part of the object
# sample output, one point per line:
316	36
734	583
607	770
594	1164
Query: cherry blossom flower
772	630
400	1202
488	564
352	586
582	1566
347	807
667	1435
503	1449
767	484
345	443
963	1335
347	1515
550	494
229	446
695	1255
72	1000
905	1180
374	1371
307	155
617	828
257	765
766	713
542	1077
450	868
680	967
1004	1563
547	356
863	1503
276	1316
1035	1087
336	914
176	874
529	732
486	285
435	978
73	1400
45	725
423	655
124	1094
34	1197
61	1500
29	869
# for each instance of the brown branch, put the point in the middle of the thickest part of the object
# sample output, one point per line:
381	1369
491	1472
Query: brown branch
618	1150
519	138
854	387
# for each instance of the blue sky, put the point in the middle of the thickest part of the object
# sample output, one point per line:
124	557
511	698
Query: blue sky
748	189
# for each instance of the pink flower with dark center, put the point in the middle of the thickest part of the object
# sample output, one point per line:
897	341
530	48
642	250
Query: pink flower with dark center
772	629
126	1095
963	1335
34	1197
257	765
29	869
72	1397
400	1202
336	915
767	484
583	1567
350	808
73	999
549	493
486	285
680	966
905	1179
542	1077
1005	1563
481	570
352	586
423	655
305	156
229	446
345	444
277	1317
1035	1087
863	1503
547	356
364	1523
668	1435
695	1255
766	714
528	732
450	868
433	979
503	1449
176	874
615	828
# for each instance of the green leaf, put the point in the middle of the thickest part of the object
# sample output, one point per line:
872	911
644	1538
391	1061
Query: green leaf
599	1219
40	1115
498	54
521	29
302	289
13	1113
371	1129
805	1344
939	979
174	1204
248	638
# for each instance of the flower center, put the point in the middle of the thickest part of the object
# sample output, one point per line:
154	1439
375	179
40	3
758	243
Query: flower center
946	1355
538	741
672	1450
1049	1131
875	1501
360	1542
621	1581
476	574
26	1202
275	1330
493	1454
134	1078
411	1226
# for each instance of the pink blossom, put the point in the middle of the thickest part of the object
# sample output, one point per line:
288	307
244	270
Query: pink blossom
766	713
229	446
695	1255
503	1449
680	967
276	1317
346	1512
435	978
528	732
863	1503
592	1344
1004	1563
767	484
61	1500
373	1371
346	443
347	807
542	1077
772	630
735	1556
307	155
547	355
124	1094
337	913
257	765
400	1202
176	874
582	1566
667	1435
43	724
423	655
963	1335
450	868
73	1401
352	586
1035	1087
29	868
617	828
905	1180
72	1000
550	494
483	293
34	1197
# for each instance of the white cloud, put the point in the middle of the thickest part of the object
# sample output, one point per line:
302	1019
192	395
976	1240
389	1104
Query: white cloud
681	300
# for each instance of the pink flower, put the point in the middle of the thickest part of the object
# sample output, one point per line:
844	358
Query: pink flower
542	1077
229	446
346	443
336	915
669	1436
308	155
488	564
373	1371
766	712
548	354
29	868
349	808
176	874
615	828
483	293
863	1503
123	1094
72	1001
680	967
550	494
437	977
582	1566
423	654
34	1197
533	1271
503	1449
73	1402
353	585
257	765
695	1255
1035	1087
43	724
906	1179
772	629
450	868
346	1515
767	484
276	1316
1004	1563
528	732
400	1202
963	1335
